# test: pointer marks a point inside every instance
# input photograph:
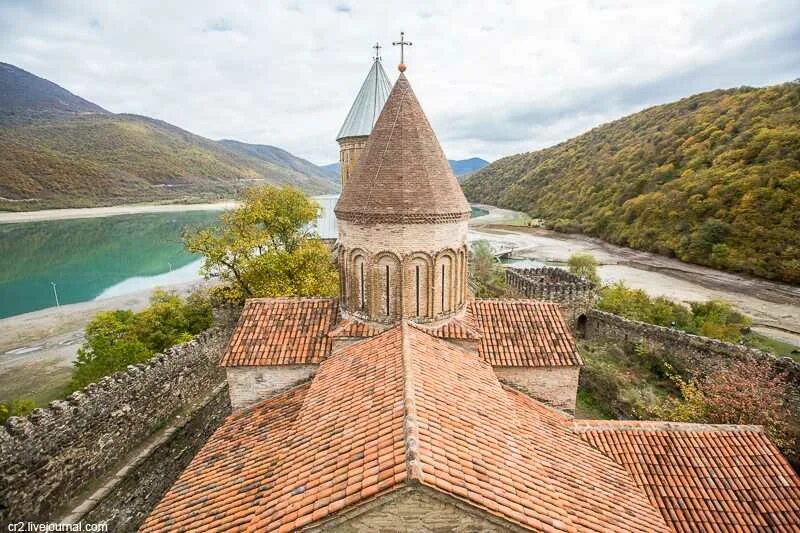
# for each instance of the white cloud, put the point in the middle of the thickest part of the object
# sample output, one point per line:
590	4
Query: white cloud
495	78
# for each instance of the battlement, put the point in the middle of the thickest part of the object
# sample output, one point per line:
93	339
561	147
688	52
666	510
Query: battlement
576	295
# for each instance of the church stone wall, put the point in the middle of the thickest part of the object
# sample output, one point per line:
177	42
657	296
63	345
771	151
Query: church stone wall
53	455
250	384
432	257
555	386
419	511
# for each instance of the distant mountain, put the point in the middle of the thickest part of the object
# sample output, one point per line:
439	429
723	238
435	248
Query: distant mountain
59	150
332	169
712	179
281	157
461	167
465	167
24	96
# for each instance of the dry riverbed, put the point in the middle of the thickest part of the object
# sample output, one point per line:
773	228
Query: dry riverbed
775	307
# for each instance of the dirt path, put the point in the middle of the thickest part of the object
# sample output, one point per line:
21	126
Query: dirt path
775	307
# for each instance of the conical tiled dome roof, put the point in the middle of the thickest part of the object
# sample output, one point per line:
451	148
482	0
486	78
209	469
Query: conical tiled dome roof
403	174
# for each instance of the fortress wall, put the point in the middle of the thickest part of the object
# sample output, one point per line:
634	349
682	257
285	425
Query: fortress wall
550	284
55	454
695	352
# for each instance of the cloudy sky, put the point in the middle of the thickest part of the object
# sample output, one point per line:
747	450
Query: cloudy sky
495	78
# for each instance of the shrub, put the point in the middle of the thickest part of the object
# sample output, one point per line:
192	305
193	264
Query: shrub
584	266
485	272
19	407
116	339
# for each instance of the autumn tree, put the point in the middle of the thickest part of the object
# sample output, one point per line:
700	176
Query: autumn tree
266	247
745	391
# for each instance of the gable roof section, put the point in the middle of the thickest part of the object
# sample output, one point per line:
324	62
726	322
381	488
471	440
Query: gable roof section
399	409
219	489
368	103
282	331
704	477
403	175
523	333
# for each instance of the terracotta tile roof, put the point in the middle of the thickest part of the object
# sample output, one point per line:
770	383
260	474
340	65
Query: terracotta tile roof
457	328
523	333
219	489
398	408
403	174
354	328
704	478
282	331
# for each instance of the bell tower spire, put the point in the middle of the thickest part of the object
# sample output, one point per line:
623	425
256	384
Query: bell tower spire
353	135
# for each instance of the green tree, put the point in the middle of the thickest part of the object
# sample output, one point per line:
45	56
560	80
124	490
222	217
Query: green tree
110	346
487	275
266	247
116	339
584	266
719	320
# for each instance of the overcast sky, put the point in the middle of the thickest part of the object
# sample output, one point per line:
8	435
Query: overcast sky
495	78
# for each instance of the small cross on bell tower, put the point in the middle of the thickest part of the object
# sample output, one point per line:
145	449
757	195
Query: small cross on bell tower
377	48
403	43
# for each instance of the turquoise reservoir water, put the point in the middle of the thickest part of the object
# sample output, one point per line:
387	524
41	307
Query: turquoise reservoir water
104	257
93	257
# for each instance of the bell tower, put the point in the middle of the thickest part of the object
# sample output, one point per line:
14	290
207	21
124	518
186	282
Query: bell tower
353	135
402	221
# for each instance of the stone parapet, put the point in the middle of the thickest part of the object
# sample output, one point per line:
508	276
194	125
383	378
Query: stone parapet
55	453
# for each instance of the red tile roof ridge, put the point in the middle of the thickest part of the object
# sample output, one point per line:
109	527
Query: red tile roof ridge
580	426
410	427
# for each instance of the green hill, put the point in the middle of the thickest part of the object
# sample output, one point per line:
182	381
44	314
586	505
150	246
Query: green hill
712	179
58	150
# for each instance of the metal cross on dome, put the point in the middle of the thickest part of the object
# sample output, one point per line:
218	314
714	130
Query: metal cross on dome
403	43
377	48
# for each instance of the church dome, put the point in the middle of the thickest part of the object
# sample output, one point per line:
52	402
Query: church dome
403	175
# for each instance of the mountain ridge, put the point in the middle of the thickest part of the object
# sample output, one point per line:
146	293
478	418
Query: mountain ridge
60	150
712	179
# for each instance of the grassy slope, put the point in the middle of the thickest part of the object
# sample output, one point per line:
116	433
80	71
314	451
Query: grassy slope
712	179
103	159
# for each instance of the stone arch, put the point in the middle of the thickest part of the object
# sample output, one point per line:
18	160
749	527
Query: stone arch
358	280
418	283
444	282
386	286
580	326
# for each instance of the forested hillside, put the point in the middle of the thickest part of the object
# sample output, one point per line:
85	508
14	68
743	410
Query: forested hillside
59	150
712	179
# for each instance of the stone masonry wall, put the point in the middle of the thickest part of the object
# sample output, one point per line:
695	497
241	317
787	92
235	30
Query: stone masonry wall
417	510
550	284
126	506
249	384
555	386
53	454
695	352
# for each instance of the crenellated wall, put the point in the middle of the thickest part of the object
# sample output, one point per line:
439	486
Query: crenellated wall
695	352
52	456
550	284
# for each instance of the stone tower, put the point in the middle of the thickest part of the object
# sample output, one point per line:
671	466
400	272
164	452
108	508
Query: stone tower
402	222
352	137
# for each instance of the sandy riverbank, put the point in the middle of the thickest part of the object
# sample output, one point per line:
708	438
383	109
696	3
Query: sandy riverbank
56	333
95	212
775	307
